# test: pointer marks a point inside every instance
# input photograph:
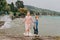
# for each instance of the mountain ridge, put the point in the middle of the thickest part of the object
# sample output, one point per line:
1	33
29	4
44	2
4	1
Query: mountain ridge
41	10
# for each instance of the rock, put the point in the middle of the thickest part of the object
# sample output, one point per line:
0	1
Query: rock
1	23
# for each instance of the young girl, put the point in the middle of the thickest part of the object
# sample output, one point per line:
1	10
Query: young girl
36	25
28	22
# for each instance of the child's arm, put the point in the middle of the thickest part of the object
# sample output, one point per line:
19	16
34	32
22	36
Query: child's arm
32	20
24	20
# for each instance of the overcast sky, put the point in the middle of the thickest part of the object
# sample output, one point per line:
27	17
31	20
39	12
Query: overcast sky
46	4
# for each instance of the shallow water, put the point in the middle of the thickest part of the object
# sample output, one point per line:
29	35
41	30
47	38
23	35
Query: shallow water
48	25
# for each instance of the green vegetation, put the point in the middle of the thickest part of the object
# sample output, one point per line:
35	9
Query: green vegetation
22	9
4	8
11	8
41	11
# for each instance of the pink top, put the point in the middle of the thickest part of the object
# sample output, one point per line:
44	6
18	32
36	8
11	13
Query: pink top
28	20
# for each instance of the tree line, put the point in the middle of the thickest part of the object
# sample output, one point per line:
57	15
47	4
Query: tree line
19	9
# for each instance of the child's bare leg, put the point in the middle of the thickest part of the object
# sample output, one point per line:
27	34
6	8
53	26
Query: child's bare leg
28	31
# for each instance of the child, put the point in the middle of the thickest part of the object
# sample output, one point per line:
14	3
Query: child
36	25
28	22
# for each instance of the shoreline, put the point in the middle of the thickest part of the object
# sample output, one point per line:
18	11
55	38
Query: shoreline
18	37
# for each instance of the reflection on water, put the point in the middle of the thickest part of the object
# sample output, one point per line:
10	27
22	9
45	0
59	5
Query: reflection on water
48	25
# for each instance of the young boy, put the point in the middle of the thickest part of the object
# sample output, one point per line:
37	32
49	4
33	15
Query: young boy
36	25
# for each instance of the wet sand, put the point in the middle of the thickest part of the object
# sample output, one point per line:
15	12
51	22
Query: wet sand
10	37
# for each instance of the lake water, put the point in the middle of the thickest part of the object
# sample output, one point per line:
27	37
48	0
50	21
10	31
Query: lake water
48	25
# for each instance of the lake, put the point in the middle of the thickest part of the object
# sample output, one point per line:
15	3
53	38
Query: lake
48	25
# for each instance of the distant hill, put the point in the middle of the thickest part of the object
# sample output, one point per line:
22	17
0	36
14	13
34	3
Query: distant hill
43	11
33	8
